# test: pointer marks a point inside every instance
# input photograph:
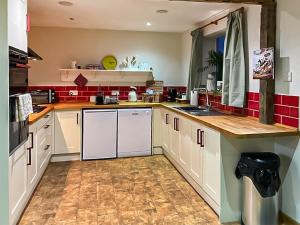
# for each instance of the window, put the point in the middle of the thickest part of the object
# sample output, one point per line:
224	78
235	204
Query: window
220	44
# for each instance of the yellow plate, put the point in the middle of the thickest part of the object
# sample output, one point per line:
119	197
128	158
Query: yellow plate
109	62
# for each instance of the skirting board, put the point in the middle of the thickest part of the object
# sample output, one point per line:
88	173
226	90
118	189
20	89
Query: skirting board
157	150
65	157
286	220
196	186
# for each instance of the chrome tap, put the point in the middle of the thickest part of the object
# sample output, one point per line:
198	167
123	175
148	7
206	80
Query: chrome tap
208	104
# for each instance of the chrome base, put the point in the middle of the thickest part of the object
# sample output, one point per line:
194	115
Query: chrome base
258	210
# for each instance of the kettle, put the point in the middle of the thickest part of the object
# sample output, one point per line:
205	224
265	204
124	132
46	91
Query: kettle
132	96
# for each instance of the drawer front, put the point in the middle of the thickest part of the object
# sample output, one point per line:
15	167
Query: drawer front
46	119
44	144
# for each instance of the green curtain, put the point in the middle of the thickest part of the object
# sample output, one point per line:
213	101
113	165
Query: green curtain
195	75
234	72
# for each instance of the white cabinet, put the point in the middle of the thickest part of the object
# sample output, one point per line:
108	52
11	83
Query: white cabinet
185	148
44	145
175	136
32	166
165	129
196	153
196	149
157	128
17	183
67	132
17	24
211	163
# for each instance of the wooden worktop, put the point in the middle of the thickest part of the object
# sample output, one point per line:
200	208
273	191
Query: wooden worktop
232	125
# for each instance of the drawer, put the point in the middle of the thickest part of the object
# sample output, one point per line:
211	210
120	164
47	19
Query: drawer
46	119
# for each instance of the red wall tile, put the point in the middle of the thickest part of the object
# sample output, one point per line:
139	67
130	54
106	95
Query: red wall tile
290	121
290	100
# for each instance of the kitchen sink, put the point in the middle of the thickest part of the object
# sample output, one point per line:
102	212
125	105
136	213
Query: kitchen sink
199	111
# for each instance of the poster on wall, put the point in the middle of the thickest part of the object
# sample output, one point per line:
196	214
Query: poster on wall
263	64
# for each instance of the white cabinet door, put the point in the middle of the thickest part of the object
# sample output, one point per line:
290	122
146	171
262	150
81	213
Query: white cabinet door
17	183
67	132
17	24
211	163
184	156
175	136
165	130
32	167
196	163
157	128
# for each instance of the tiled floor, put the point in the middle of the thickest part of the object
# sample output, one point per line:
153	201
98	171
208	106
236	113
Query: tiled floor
133	191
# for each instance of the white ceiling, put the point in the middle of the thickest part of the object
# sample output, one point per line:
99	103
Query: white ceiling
123	14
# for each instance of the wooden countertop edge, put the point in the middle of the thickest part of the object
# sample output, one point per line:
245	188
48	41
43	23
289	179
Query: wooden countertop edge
289	131
36	116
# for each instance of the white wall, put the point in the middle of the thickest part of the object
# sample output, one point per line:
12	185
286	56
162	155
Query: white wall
4	193
288	49
59	46
252	39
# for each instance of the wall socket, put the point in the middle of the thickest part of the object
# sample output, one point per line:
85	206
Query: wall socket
73	93
115	92
290	76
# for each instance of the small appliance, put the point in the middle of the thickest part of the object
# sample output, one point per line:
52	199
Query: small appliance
172	94
132	96
43	96
194	97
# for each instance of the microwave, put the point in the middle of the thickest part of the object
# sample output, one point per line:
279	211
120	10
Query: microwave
43	97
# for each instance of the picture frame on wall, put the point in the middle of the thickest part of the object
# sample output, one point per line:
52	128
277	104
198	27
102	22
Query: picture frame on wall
263	64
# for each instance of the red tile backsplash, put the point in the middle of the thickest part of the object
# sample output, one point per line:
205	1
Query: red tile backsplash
286	108
84	93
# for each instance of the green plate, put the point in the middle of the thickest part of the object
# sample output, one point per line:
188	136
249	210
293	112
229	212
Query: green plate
109	62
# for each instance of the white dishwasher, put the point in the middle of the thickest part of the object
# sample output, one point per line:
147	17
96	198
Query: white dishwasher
99	134
134	132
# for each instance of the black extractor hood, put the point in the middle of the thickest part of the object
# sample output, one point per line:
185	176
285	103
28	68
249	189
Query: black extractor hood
32	55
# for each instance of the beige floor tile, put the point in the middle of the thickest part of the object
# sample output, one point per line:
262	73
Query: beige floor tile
135	191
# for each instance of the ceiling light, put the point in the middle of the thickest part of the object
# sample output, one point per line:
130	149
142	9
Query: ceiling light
148	24
65	3
162	11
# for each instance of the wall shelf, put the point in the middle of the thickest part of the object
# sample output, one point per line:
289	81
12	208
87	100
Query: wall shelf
108	76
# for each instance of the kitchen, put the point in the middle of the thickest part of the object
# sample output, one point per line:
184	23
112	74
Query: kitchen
173	125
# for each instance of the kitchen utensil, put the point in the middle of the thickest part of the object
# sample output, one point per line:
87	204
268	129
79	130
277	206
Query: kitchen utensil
132	96
109	62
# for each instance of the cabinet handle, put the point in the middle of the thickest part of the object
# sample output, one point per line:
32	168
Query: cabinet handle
167	118
47	116
46	126
198	137
31	134
77	120
202	138
47	147
29	152
176	124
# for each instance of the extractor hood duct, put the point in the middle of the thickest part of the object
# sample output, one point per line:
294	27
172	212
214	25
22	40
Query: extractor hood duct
32	55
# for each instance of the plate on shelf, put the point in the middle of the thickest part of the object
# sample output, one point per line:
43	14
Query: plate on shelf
109	62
